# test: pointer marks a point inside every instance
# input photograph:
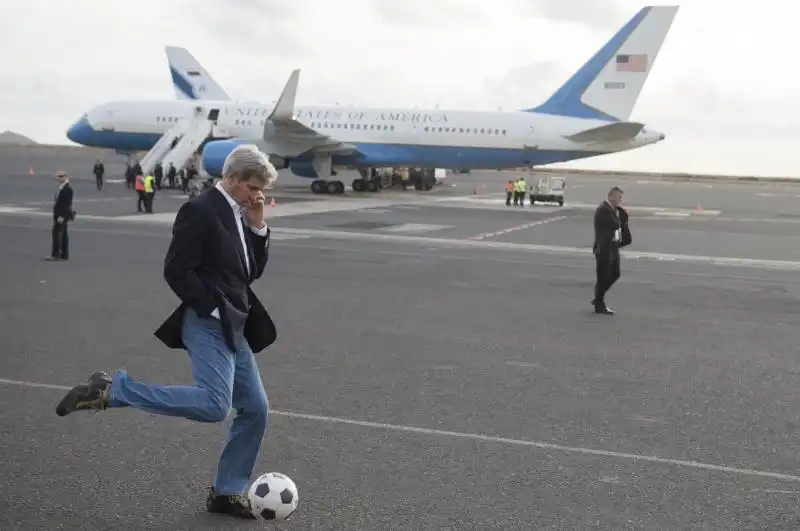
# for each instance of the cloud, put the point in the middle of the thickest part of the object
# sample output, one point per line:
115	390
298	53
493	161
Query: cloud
266	27
527	85
592	13
439	13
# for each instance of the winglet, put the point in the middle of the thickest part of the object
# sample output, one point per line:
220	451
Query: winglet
284	108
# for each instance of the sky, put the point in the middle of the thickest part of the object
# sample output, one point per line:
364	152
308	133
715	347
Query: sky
723	88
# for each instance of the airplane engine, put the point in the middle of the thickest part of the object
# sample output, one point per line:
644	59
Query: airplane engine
305	169
216	151
280	163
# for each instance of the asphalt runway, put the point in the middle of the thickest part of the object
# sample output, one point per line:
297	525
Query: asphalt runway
431	372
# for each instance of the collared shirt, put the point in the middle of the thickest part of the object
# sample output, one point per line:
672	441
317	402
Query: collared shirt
60	187
618	232
238	212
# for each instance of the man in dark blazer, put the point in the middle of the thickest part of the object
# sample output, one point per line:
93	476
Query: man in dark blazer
611	232
62	215
220	245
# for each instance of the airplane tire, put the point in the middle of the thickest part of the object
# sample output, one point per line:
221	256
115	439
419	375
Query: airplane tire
335	187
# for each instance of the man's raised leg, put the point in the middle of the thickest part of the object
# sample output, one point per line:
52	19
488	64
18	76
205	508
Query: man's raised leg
208	401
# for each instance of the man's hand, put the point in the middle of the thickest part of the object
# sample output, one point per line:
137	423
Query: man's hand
255	212
59	219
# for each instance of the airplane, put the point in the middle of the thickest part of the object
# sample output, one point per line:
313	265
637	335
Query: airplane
588	116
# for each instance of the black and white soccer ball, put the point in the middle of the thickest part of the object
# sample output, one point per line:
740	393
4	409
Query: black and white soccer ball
273	496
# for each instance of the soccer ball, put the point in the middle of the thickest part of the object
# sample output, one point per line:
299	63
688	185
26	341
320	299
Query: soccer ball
273	496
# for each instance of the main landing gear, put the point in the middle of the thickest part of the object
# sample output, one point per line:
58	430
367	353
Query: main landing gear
322	166
362	184
321	186
368	182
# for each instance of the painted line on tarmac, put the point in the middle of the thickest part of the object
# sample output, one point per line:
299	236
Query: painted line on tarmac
515	228
697	465
753	263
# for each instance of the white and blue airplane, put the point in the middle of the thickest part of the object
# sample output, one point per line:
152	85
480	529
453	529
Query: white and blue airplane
588	116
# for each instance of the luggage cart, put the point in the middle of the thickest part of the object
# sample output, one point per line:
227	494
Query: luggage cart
548	189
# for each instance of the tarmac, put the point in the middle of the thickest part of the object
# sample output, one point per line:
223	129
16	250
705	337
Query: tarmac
438	365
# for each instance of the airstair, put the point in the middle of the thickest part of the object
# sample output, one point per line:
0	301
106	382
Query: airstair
179	143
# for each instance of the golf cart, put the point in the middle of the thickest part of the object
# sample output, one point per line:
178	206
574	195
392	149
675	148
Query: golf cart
549	189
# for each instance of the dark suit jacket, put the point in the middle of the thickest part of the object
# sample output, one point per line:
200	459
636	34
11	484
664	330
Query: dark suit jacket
63	205
607	220
205	267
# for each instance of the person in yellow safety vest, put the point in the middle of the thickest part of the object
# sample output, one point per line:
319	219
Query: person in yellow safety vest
149	192
519	187
509	192
139	179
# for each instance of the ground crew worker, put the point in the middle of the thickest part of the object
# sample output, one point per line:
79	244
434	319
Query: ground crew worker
141	198
509	192
149	192
516	192
523	187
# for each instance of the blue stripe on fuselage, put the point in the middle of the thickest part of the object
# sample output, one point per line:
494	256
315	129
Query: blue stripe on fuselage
368	155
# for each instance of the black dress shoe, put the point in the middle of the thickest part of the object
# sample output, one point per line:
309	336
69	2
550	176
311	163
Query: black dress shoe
603	310
233	504
92	395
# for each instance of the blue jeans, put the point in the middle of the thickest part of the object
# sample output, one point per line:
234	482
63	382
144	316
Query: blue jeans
224	379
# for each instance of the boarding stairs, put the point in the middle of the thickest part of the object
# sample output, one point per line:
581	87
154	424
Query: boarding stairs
178	144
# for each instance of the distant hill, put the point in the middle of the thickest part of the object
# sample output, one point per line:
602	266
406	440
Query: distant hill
11	138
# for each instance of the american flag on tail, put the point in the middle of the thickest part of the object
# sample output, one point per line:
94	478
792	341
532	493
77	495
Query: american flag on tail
632	63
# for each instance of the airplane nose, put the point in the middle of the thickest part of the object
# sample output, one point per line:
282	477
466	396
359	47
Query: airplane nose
80	131
661	137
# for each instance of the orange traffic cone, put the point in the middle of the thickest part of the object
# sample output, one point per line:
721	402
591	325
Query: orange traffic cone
30	171
272	202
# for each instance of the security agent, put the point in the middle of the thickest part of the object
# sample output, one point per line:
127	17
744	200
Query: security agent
62	215
220	245
611	232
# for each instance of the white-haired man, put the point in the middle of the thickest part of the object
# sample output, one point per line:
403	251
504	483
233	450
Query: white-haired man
220	245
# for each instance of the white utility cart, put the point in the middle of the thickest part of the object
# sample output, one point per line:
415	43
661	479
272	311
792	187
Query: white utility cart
548	189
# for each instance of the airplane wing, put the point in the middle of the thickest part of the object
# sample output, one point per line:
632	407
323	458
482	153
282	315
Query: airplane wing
282	128
608	133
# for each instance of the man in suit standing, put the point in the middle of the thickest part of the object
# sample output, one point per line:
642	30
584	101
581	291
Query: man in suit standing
220	245
611	232
99	170
62	215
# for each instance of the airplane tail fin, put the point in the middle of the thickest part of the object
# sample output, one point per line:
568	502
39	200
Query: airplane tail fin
608	85
189	79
